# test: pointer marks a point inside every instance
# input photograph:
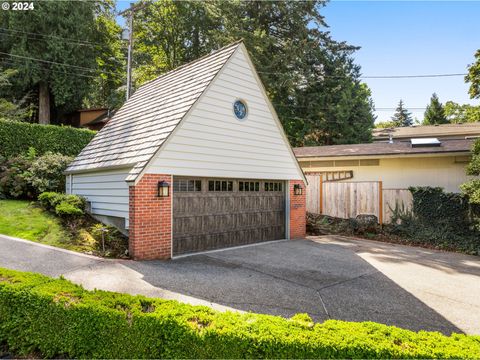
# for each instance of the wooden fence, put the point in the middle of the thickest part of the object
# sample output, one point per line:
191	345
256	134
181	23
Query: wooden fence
348	199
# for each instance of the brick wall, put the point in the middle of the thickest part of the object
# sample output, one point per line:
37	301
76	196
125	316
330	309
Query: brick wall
298	212
150	219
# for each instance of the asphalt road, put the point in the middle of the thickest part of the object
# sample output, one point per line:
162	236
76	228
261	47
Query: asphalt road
326	277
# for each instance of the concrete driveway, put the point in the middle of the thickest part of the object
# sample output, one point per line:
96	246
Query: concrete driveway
326	277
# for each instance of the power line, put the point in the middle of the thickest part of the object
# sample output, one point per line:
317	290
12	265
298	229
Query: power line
412	76
55	63
13	62
376	108
71	40
383	76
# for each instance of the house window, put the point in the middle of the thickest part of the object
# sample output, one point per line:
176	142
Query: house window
248	186
187	185
273	186
220	185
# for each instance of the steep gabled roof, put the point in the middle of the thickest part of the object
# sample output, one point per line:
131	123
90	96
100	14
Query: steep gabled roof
143	123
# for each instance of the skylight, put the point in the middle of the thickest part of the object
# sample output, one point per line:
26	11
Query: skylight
425	142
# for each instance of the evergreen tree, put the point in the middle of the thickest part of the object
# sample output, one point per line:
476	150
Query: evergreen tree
311	79
435	113
57	51
402	116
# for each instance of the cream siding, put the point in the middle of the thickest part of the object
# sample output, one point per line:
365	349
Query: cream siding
401	173
211	142
107	191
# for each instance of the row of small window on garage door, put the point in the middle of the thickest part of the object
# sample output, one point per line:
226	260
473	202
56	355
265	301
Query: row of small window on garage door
198	185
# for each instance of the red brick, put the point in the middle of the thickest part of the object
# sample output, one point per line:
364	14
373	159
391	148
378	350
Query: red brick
150	219
298	211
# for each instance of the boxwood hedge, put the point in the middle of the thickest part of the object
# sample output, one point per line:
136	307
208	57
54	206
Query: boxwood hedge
55	318
17	137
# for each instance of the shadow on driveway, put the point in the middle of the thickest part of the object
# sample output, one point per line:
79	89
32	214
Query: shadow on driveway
325	280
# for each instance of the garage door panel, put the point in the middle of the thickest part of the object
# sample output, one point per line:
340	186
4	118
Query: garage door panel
207	220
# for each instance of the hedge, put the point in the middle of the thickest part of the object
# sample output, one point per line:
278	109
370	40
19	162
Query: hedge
441	219
55	318
17	137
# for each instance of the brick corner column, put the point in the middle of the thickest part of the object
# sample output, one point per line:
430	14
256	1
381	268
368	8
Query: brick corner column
150	219
298	211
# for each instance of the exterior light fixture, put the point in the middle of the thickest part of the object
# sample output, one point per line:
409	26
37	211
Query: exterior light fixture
163	189
297	189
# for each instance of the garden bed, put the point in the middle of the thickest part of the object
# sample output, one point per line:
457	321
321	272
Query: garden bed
391	233
26	220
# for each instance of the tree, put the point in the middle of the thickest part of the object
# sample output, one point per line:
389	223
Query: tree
311	79
168	34
473	77
458	114
106	89
402	116
385	125
434	113
56	51
18	110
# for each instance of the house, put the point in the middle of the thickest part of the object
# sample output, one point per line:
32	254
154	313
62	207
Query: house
442	132
93	119
348	180
195	160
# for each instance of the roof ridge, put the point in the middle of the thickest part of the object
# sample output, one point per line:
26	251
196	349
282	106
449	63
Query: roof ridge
235	43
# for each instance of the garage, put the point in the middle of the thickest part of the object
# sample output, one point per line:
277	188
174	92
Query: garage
211	214
195	160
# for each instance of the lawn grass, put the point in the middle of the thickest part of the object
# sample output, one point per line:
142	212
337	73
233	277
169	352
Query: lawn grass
22	219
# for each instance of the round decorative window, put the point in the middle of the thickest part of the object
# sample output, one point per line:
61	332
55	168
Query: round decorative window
240	109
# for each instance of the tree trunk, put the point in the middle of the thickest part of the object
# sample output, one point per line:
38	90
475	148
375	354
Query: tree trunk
43	103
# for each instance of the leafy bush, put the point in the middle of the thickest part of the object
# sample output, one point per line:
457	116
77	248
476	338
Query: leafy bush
13	177
49	200
440	219
46	172
17	137
67	210
63	205
56	318
26	175
472	188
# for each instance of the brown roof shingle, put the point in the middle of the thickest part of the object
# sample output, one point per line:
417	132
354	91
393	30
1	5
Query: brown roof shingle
460	130
397	148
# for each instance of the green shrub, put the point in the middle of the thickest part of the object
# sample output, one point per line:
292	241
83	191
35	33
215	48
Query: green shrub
49	200
55	318
26	175
14	177
17	137
63	205
440	219
46	172
67	210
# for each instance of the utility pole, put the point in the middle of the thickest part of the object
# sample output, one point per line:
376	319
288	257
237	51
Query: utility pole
130	48
131	12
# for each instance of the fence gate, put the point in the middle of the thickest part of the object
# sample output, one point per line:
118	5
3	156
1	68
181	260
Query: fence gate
348	199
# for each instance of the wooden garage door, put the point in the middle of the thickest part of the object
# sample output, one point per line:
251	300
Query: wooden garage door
217	213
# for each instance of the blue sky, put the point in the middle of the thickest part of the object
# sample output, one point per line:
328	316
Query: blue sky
407	38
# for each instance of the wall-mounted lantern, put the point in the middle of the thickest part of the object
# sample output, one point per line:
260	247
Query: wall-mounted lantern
163	189
297	189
